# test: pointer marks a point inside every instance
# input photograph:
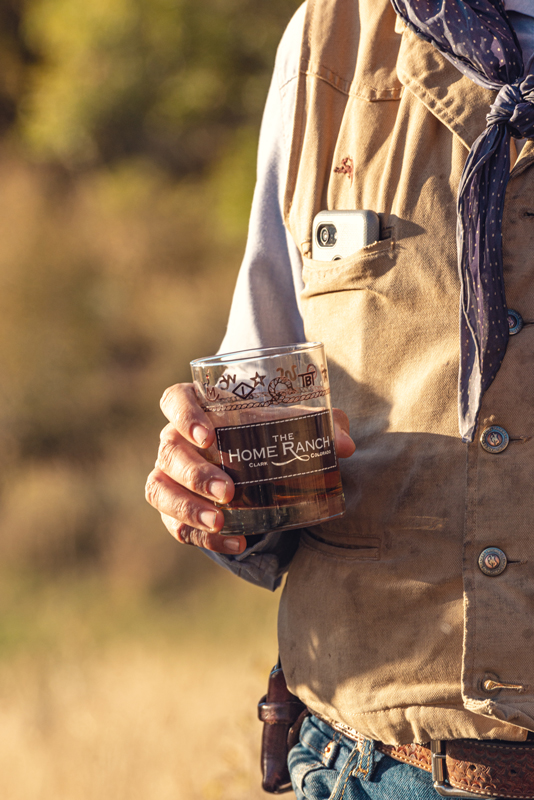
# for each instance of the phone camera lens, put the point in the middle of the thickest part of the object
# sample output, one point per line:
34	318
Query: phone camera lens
326	235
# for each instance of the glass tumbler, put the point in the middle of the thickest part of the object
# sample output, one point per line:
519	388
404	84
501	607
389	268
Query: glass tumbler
274	436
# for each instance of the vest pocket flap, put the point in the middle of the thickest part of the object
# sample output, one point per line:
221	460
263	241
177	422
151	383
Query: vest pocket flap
354	547
353	272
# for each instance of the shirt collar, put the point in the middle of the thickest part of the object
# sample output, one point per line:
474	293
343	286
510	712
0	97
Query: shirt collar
522	6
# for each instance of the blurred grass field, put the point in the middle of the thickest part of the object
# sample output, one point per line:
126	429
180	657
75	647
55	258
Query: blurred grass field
110	694
130	666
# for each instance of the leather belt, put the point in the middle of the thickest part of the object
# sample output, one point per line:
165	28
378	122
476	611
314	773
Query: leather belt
466	768
471	767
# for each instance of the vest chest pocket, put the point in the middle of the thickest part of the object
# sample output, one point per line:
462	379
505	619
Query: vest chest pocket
354	548
357	271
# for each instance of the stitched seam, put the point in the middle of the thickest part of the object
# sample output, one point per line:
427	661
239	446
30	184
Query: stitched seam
384	247
283	477
496	797
401	708
353	555
345	546
437	105
311	747
305	772
412	762
473	615
521	166
379	94
299	125
345	784
364	770
488	746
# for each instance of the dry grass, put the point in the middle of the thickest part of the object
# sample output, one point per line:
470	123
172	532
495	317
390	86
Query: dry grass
104	696
137	677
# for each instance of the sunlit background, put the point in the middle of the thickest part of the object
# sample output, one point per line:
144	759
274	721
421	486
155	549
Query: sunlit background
130	666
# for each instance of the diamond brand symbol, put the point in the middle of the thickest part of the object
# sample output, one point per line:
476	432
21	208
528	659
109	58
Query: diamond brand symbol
243	390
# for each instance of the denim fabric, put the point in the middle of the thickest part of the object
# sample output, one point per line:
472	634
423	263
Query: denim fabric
325	765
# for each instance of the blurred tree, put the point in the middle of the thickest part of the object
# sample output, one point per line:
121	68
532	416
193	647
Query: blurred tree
15	58
169	79
117	251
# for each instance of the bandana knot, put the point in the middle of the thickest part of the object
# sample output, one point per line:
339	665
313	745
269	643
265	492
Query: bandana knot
514	108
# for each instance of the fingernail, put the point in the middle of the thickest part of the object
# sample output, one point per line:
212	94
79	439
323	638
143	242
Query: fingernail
208	519
233	545
218	489
199	434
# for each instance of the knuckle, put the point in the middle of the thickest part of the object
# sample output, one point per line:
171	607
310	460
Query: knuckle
182	534
199	537
167	433
190	474
188	534
168	397
178	402
183	508
152	490
185	534
166	451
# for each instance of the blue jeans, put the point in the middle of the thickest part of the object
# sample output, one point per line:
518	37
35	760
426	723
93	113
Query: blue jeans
326	765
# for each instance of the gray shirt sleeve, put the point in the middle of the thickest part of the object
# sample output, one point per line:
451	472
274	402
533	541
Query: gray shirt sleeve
265	308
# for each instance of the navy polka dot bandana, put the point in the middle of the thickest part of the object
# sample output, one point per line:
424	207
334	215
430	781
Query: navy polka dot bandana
477	37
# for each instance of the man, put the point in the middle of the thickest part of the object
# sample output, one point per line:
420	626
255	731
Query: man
410	620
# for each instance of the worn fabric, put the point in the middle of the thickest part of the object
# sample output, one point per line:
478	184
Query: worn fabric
386	621
325	765
272	264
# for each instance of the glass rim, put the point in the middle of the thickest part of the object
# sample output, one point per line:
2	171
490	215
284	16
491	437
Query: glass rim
254	354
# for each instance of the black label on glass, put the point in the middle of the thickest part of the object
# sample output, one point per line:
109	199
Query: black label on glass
282	448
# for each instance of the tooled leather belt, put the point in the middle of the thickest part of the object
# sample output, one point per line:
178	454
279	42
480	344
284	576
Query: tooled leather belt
473	767
467	768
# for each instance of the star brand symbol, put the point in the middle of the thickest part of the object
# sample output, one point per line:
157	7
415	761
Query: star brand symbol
258	380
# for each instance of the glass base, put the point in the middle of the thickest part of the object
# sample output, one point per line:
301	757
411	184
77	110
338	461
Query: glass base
283	517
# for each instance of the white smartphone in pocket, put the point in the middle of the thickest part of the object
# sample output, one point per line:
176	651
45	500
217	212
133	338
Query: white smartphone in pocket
337	234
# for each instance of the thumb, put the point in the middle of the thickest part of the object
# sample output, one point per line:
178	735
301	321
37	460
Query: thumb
345	447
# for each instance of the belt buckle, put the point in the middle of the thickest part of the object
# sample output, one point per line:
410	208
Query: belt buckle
441	785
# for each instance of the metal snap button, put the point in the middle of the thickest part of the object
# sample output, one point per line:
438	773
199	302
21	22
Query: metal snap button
491	683
515	322
494	439
492	561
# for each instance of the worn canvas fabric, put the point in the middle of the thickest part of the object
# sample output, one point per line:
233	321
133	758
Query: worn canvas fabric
387	624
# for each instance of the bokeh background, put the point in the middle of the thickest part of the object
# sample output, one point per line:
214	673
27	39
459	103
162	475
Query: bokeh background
130	666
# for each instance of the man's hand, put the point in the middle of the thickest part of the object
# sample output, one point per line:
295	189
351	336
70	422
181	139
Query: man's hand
183	485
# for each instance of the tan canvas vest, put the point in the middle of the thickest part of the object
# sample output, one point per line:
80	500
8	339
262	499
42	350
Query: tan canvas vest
387	623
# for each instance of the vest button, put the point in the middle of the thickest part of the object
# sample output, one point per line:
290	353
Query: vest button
515	322
494	439
492	561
